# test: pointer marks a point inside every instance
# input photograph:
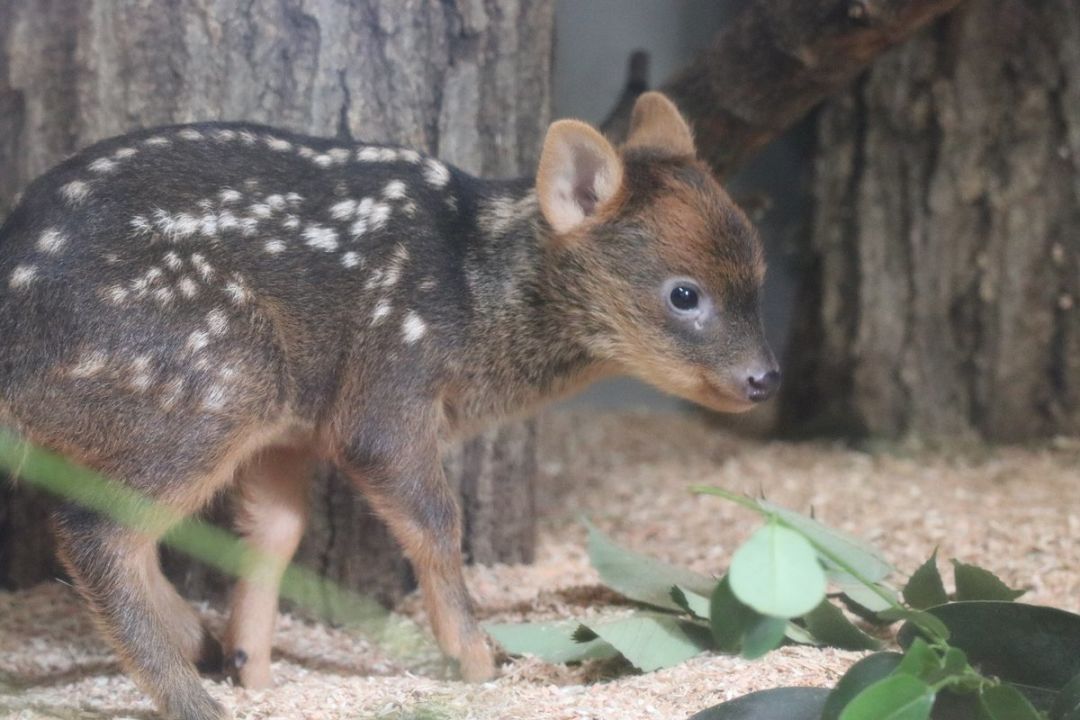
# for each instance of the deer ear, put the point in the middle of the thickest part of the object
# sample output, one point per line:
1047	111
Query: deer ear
656	124
579	172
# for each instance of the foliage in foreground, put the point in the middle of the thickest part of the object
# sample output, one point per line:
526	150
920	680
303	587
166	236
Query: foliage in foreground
977	655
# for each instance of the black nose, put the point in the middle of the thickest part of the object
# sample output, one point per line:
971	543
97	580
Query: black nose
761	386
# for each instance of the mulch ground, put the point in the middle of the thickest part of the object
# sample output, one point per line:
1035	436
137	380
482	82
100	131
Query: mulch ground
1014	510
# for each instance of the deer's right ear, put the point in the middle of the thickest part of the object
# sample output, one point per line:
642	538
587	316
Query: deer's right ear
579	172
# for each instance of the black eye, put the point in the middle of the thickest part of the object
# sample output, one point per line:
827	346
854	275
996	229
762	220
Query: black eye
684	297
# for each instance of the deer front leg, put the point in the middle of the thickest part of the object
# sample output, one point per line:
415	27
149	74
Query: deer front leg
408	490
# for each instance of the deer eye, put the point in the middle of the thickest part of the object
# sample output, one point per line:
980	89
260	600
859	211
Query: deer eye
684	297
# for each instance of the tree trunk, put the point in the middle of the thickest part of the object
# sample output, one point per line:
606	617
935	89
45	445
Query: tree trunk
468	81
945	268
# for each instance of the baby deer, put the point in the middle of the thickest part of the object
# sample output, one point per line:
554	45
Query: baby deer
187	308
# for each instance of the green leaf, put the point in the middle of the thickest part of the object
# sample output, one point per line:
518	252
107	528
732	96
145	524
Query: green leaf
975	583
640	577
551	641
828	624
788	703
1067	704
898	697
1002	702
729	619
777	573
925	621
921	661
690	601
868	602
650	641
798	634
764	634
854	553
925	589
1019	643
859	676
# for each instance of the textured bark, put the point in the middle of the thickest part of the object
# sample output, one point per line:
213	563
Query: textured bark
466	80
776	60
942	289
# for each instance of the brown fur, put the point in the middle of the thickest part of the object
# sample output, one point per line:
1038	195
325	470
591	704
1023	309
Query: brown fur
374	367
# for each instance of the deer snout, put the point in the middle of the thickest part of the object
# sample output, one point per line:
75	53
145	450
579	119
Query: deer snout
761	383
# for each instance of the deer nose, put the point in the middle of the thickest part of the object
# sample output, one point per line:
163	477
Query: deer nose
760	386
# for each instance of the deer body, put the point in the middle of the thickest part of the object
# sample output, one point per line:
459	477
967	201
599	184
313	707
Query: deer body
189	307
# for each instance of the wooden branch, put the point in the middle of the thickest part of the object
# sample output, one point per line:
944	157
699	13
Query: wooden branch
776	60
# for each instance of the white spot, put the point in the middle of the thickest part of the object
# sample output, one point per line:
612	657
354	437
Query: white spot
227	221
22	276
368	154
322	238
276	202
153	274
202	267
116	294
291	222
382	309
436	174
427	284
197	340
173	261
51	241
247	137
176	226
140	373
409	208
410	156
190	134
388	155
249	226
394	190
124	153
217	321
278	144
413	327
260	210
103	165
75	191
359	227
237	290
294	198
274	247
90	364
306	152
157	141
215	397
343	210
224	135
323	161
164	295
188	287
339	155
380	213
208	225
172	391
228	195
451	202
141	225
350	259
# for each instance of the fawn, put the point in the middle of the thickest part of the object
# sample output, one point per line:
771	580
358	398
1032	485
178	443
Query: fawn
186	308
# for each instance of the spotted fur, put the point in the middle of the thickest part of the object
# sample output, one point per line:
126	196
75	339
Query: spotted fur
189	307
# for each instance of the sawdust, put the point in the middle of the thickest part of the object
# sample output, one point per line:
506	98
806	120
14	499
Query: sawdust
1014	510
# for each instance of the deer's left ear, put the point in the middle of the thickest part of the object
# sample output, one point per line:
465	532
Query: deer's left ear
657	124
579	173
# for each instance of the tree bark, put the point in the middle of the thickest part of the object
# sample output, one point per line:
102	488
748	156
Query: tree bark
466	80
775	61
945	261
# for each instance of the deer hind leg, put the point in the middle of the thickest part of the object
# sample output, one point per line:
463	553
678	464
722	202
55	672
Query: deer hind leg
109	564
271	515
181	621
422	513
